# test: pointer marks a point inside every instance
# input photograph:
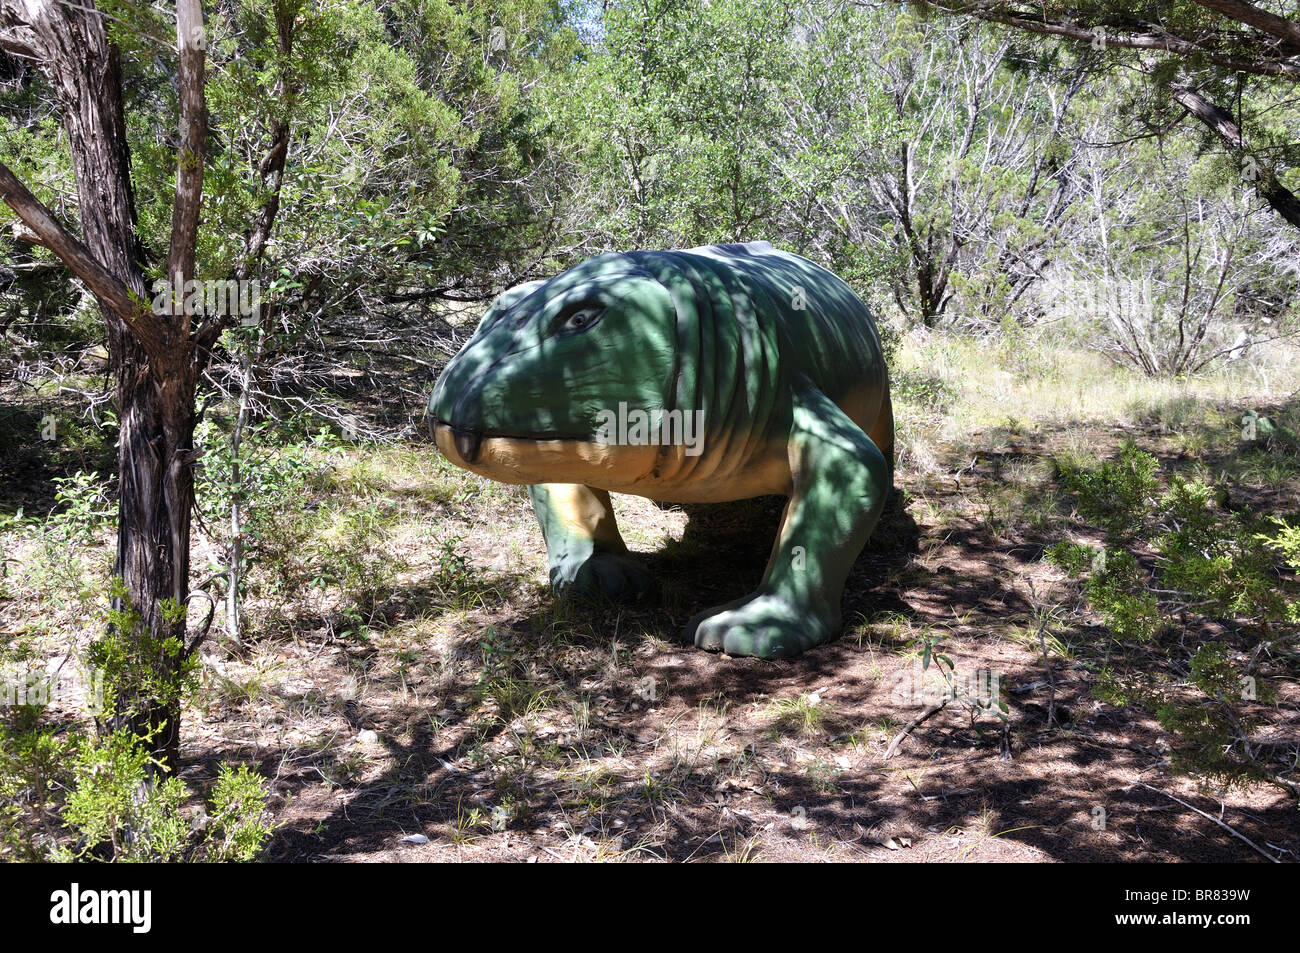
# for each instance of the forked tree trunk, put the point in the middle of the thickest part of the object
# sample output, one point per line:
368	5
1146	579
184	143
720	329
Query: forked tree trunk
152	357
156	492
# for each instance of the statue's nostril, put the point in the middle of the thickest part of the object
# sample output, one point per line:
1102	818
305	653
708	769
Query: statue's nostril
468	443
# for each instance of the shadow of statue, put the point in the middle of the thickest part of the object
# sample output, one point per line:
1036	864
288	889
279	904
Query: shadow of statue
726	547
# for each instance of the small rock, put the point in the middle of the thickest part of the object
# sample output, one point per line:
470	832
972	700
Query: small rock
368	737
415	839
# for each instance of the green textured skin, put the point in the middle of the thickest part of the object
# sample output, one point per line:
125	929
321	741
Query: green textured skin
781	357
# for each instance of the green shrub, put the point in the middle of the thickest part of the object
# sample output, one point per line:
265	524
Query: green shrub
1073	558
1117	495
1213	726
34	771
930	392
1117	589
1286	541
136	666
1178	563
116	810
1214	556
240	826
69	796
84	507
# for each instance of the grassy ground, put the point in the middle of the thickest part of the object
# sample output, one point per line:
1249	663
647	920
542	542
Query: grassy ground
406	672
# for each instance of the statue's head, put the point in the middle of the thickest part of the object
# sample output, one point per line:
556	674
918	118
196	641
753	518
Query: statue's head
525	399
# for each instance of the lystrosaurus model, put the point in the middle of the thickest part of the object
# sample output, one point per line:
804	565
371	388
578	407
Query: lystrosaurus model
718	373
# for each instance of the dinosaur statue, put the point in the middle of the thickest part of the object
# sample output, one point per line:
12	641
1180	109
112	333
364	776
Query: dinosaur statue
1267	431
714	374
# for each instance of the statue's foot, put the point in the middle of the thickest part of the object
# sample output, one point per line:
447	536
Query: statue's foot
615	576
766	626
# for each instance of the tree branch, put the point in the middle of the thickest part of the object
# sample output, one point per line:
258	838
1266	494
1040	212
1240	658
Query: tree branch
270	177
107	287
1251	15
1220	122
16	36
15	45
190	45
1123	32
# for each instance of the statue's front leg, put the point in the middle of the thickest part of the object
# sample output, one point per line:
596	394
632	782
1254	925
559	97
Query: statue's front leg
841	481
586	553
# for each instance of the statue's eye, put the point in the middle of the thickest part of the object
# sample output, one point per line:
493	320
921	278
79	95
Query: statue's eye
583	318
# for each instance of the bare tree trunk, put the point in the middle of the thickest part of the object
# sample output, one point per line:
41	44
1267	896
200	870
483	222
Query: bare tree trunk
235	555
156	491
155	465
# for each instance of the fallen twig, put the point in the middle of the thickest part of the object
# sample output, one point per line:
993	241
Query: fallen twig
1210	817
912	725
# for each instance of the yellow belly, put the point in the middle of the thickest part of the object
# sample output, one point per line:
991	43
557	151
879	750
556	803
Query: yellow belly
722	472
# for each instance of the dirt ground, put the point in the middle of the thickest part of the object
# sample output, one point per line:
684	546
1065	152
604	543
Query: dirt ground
495	725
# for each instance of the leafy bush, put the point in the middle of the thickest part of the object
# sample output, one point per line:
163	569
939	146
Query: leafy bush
1117	590
240	827
135	665
928	391
116	810
275	477
1204	587
66	794
70	796
34	771
85	507
1117	494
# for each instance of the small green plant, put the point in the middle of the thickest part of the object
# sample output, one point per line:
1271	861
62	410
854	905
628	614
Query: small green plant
119	809
803	715
508	682
1074	558
931	392
84	507
1286	541
139	669
456	578
469	824
980	694
34	771
240	825
1117	589
68	795
739	851
454	569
